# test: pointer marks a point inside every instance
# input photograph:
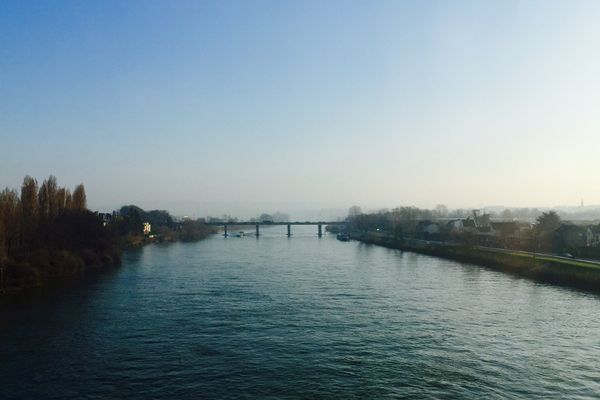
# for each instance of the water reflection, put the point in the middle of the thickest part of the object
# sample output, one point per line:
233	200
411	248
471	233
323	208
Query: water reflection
298	317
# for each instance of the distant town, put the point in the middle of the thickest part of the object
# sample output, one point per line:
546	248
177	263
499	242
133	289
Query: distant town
524	229
575	232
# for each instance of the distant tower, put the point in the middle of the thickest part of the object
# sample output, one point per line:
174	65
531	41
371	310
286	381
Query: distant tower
581	202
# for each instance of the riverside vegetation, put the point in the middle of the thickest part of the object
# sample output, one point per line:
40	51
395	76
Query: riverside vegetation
47	232
529	251
128	224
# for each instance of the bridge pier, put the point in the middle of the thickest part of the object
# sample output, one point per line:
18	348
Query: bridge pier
288	224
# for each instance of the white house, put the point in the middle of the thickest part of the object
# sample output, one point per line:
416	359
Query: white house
432	229
592	234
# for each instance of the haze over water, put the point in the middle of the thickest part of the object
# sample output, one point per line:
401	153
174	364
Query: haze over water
299	317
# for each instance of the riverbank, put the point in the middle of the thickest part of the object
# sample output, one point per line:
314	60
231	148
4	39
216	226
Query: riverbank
574	273
44	265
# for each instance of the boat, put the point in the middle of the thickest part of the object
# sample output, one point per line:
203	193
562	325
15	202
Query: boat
240	234
343	237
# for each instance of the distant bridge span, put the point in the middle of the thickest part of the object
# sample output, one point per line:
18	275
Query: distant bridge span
319	225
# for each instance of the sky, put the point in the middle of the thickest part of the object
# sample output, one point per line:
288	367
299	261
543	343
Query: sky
205	108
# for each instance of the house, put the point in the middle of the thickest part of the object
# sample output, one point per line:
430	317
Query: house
511	234
523	236
428	229
461	226
570	236
455	226
503	229
487	236
106	218
432	229
147	228
592	234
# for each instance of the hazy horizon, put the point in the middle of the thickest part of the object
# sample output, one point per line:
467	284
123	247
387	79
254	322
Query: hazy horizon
244	107
303	212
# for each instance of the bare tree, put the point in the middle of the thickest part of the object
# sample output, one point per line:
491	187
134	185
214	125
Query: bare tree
68	200
9	211
48	206
29	208
61	197
79	201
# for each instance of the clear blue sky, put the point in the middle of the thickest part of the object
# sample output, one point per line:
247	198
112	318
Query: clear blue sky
289	104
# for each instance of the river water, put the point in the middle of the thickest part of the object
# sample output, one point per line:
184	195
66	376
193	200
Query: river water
298	318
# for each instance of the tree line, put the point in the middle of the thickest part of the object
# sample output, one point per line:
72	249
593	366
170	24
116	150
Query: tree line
128	224
47	231
547	232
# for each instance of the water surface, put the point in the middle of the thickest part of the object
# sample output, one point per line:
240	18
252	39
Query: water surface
298	318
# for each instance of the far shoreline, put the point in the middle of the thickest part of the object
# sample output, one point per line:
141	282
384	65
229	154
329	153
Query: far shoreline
538	269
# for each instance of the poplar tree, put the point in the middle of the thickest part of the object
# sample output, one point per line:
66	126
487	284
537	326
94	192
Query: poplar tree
52	188
68	200
9	208
44	201
61	198
79	201
3	255
29	209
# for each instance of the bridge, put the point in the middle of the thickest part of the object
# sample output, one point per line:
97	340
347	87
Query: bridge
319	225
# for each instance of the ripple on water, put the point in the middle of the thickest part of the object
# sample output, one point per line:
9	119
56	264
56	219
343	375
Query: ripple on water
300	318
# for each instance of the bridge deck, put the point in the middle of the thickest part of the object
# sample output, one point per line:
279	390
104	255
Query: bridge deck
276	223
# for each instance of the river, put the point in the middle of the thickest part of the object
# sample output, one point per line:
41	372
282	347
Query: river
298	318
